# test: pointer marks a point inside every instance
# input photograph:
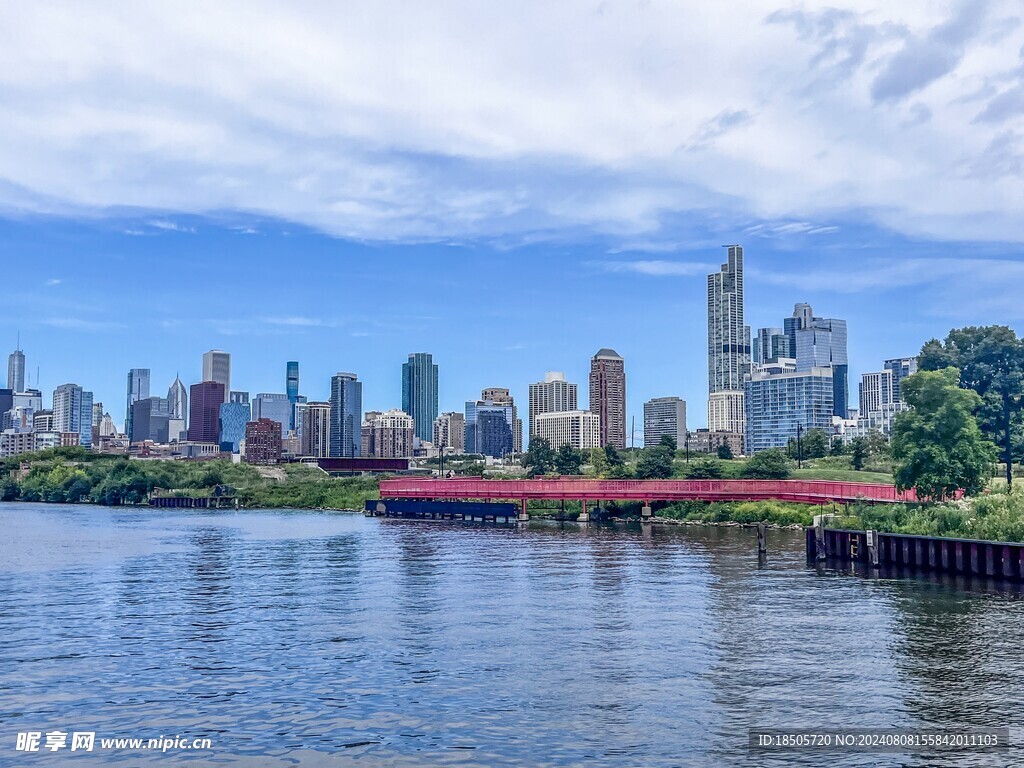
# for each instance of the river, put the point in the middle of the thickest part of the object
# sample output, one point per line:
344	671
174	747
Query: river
297	637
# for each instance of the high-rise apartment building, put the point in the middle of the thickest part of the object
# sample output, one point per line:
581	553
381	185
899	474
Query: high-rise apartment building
664	416
316	429
728	345
217	367
419	392
779	406
502	396
205	400
608	396
580	429
263	442
450	432
72	412
901	367
16	371
551	395
346	415
388	435
138	389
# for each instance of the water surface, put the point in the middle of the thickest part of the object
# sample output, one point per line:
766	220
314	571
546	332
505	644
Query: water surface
293	637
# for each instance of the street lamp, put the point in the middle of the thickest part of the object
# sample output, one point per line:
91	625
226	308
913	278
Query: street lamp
686	444
799	447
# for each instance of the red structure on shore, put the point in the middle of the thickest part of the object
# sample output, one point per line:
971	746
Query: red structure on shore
573	488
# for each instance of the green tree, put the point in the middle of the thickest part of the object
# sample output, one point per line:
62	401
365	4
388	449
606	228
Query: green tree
598	462
724	451
815	444
768	465
991	362
669	442
617	468
656	463
539	458
938	446
705	468
858	453
568	460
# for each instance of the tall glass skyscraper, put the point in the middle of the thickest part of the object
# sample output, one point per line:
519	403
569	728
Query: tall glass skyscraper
16	371
419	393
138	389
818	342
72	412
273	406
780	406
233	418
217	367
177	398
346	415
292	388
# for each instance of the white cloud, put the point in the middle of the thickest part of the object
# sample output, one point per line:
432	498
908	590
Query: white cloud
466	120
82	324
53	281
653	267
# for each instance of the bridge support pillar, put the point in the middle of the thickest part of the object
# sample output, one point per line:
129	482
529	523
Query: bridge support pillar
584	515
645	513
523	516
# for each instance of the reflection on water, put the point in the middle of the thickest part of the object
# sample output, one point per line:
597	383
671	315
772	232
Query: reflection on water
299	637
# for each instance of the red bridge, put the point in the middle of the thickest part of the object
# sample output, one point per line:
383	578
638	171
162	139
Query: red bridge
801	491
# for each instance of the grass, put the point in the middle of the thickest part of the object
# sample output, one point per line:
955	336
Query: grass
842	475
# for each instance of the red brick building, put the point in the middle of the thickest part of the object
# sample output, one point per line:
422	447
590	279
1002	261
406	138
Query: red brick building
263	442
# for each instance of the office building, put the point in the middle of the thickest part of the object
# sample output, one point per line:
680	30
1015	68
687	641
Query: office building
238	396
346	415
217	367
901	367
818	342
728	345
664	416
263	442
16	370
580	429
501	396
150	420
770	344
177	399
138	389
489	428
551	395
419	392
6	401
450	432
274	406
205	399
234	417
608	396
388	435
292	387
315	437
72	412
781	405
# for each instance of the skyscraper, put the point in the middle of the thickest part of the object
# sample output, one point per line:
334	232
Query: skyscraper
818	342
664	416
177	399
552	395
138	389
388	435
728	345
780	406
233	418
608	396
16	371
205	399
419	393
150	420
274	406
770	344
292	389
901	367
316	430
489	428
501	396
346	415
72	412
217	367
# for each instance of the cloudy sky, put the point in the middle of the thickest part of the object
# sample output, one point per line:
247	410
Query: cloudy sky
510	186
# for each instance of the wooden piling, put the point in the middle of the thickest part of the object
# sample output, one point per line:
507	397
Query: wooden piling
762	542
872	543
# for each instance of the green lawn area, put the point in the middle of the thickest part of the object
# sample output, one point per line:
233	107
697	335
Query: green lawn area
842	475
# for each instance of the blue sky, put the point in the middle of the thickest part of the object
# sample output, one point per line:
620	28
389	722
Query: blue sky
510	189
